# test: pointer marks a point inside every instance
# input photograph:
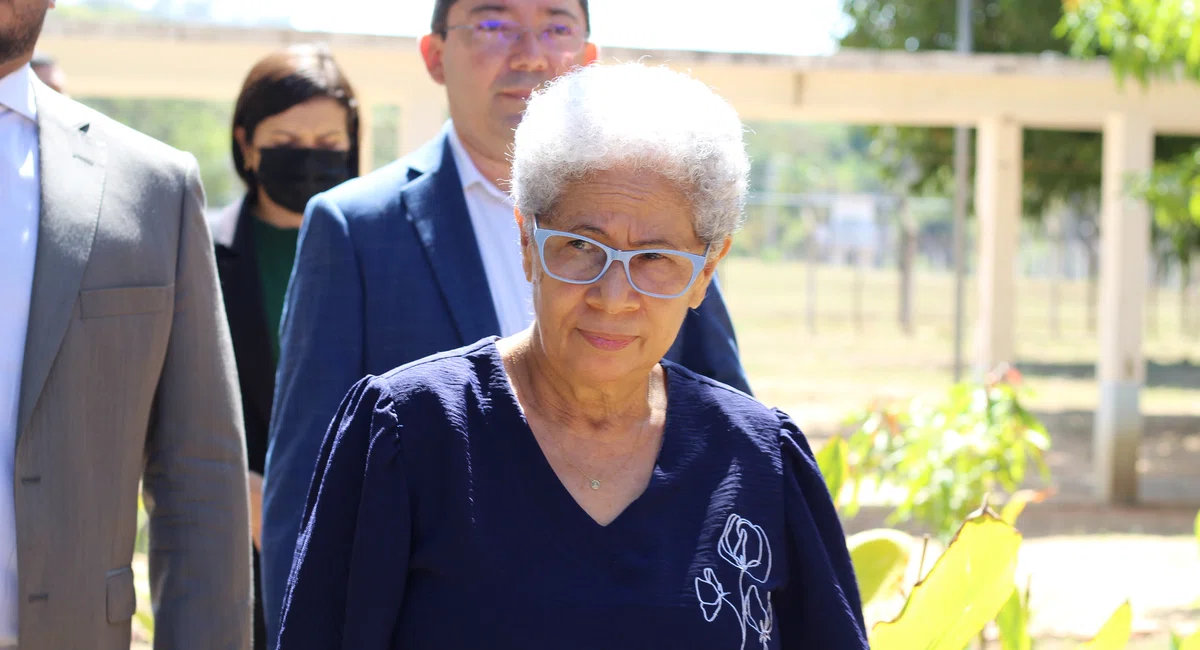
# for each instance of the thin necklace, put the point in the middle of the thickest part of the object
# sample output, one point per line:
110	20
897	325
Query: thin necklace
595	483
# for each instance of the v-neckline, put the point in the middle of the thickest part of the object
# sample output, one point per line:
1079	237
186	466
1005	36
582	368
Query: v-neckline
526	437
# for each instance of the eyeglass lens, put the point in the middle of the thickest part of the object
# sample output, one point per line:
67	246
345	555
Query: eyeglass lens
579	260
504	32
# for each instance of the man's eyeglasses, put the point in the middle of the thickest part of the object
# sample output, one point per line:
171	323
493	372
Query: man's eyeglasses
506	33
655	272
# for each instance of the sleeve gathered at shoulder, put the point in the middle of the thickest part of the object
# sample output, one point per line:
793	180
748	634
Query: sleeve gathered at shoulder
344	588
820	606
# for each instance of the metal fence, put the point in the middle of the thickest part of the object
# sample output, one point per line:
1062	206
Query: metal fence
875	257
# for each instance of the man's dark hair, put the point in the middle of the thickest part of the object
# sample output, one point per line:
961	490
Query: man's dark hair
441	9
283	80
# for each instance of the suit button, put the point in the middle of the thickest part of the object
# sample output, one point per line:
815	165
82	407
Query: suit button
31	480
38	598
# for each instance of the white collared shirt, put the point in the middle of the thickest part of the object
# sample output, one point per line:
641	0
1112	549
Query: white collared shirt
20	202
491	210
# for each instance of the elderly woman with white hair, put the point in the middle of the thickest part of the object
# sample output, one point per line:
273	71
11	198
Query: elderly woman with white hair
566	487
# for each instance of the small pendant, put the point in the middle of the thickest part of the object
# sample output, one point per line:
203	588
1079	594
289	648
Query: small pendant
595	484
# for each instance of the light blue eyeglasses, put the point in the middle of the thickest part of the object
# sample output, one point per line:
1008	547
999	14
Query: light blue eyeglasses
506	33
655	272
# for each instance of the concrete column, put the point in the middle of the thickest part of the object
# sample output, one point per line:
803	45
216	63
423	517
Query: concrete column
908	267
1124	249
998	175
366	135
421	118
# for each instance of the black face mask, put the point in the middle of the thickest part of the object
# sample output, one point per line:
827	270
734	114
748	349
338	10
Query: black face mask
291	176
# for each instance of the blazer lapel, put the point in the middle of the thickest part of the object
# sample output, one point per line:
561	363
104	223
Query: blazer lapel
436	206
71	174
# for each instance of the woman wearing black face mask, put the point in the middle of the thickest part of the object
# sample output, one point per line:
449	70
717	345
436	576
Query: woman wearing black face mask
295	134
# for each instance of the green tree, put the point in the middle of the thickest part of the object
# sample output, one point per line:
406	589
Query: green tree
1141	38
820	157
1148	39
197	127
795	158
1057	164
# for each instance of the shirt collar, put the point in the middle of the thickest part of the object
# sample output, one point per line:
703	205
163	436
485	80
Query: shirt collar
16	93
468	173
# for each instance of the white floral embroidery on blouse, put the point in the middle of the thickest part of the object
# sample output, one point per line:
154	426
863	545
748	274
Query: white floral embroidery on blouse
744	546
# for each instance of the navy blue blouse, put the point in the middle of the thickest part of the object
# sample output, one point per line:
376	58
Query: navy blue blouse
435	521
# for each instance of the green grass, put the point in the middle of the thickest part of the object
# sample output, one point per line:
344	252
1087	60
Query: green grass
820	376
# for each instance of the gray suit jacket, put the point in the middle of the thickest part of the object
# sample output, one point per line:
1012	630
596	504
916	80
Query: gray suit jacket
128	376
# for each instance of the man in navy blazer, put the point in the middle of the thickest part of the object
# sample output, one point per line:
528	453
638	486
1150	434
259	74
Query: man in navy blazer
422	256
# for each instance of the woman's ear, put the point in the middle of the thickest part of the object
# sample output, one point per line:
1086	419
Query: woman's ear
711	267
520	219
249	155
526	246
700	289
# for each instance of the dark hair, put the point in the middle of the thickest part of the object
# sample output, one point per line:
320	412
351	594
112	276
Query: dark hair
285	79
441	9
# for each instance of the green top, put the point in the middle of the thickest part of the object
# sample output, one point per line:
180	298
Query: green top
276	251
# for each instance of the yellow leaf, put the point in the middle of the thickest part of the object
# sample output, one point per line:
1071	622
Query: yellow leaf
1115	633
1198	527
964	591
1017	502
1191	643
1013	624
880	560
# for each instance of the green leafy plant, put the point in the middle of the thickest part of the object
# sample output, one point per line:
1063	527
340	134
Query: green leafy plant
141	542
143	615
964	591
969	587
832	460
1190	643
1013	621
1198	527
1141	38
1147	39
1018	501
946	454
1115	633
880	559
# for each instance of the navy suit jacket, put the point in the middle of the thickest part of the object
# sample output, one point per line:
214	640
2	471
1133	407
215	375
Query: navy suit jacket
387	272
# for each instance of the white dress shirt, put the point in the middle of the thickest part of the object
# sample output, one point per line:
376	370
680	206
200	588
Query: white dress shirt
20	200
491	210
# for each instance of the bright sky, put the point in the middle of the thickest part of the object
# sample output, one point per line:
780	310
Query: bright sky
777	26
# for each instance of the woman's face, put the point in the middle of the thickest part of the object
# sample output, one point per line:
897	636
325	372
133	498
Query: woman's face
607	331
296	152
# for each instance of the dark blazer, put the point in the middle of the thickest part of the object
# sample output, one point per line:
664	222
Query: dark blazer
241	286
388	271
237	265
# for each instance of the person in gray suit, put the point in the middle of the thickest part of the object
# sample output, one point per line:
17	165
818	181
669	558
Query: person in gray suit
115	367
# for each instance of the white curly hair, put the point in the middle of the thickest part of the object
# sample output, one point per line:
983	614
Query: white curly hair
650	118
